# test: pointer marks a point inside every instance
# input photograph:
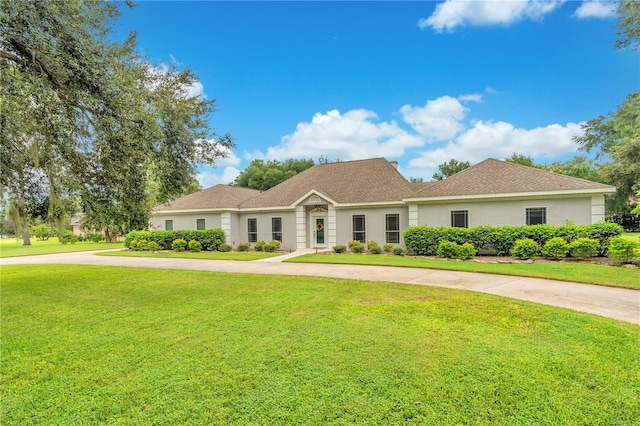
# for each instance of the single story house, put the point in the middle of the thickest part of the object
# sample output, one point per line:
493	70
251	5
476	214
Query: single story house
332	204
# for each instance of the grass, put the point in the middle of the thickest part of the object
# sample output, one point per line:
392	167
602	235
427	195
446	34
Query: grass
11	247
631	235
88	345
562	271
208	255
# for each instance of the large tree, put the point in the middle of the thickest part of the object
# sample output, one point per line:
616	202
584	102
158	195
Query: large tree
450	168
78	108
264	175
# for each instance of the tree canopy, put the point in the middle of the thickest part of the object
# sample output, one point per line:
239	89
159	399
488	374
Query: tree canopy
450	168
263	175
80	110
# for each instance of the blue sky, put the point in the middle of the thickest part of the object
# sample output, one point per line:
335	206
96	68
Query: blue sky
415	82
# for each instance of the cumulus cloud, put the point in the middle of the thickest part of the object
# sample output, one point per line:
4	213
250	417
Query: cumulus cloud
440	118
595	9
453	13
499	140
356	134
209	177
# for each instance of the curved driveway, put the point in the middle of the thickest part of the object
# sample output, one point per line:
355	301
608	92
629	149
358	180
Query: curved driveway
617	303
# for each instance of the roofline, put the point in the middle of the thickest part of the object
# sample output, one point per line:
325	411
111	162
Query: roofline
191	211
514	195
313	191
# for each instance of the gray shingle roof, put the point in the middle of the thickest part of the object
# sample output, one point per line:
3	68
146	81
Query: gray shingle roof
215	197
500	177
362	181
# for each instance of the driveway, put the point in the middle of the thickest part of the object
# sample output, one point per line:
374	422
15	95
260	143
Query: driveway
617	303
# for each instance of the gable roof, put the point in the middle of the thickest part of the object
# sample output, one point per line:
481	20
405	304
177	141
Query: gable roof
215	197
362	181
493	176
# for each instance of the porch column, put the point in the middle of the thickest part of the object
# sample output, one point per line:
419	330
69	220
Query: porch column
301	228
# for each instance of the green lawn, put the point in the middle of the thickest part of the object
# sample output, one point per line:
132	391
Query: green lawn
210	255
92	345
10	247
563	271
631	235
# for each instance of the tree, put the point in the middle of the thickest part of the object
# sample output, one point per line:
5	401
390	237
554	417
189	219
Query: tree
82	112
416	180
262	176
450	168
579	167
628	25
523	159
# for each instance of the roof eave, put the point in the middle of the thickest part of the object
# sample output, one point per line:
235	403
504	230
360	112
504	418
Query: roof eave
537	194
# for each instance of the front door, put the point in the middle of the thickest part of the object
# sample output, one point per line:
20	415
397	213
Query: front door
319	231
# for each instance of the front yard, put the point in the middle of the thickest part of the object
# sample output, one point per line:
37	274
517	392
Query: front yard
11	247
93	345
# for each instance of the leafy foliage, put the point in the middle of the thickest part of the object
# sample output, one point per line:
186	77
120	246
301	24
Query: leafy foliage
355	246
179	244
225	248
525	249
339	249
450	168
387	247
262	176
42	232
259	245
195	246
556	248
68	237
583	248
622	250
210	239
244	246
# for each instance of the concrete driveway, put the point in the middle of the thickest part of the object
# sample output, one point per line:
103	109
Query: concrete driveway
617	303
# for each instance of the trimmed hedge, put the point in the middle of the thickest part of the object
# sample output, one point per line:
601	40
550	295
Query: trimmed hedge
210	239
500	240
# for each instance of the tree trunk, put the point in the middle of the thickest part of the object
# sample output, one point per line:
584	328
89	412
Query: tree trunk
26	238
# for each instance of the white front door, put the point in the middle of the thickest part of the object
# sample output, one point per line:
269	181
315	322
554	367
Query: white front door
318	230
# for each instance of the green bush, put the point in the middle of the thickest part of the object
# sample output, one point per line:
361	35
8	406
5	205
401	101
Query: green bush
466	251
269	248
195	246
399	251
375	250
525	248
244	246
387	247
259	246
42	232
356	246
583	248
68	237
276	244
179	244
143	245
371	244
225	248
339	249
556	248
210	239
622	250
447	249
95	237
133	245
153	246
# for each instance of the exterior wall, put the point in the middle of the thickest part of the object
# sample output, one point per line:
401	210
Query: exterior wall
374	223
289	241
497	213
186	221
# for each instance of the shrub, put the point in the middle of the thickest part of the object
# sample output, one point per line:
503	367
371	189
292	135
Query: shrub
356	246
371	244
399	251
556	248
583	248
387	247
525	248
339	249
466	251
133	245
447	249
622	250
195	246
210	239
143	245
153	246
375	250
96	237
179	244
224	248
244	246
276	244
269	248
68	237
259	246
636	254
42	232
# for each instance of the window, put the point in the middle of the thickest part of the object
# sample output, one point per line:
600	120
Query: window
392	225
168	225
358	228
276	228
460	218
252	226
200	224
536	215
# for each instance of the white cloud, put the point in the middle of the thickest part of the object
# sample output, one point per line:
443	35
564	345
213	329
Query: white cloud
595	9
500	140
453	13
353	135
440	118
209	178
